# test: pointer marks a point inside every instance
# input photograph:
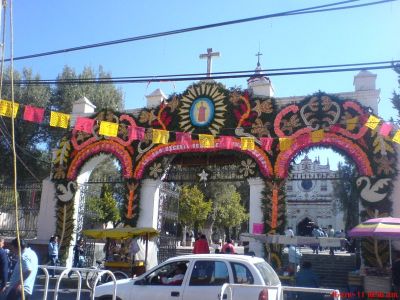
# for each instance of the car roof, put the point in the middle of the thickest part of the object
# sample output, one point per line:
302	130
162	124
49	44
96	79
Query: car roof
229	257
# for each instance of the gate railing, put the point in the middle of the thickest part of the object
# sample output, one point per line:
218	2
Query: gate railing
79	272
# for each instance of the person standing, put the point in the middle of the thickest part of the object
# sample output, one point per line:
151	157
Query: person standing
29	266
289	232
53	252
331	234
307	278
79	258
228	248
3	267
294	258
201	245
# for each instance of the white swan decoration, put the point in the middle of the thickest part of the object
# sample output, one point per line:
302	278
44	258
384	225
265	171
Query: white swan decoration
371	193
65	194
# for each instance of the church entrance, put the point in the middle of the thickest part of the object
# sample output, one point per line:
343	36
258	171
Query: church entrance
305	227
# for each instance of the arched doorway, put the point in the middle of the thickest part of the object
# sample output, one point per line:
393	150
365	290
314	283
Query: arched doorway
305	227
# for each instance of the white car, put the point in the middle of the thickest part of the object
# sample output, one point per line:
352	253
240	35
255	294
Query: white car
202	280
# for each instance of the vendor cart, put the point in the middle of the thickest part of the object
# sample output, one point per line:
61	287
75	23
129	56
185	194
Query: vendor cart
124	234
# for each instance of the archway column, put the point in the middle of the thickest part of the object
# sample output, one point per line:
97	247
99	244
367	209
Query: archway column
255	212
47	217
149	204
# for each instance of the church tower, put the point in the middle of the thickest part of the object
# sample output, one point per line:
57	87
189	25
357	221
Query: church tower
258	83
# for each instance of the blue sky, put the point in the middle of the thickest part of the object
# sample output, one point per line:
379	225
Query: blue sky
358	35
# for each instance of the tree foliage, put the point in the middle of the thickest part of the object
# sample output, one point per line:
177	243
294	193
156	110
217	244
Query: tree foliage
345	190
35	141
193	209
104	209
396	96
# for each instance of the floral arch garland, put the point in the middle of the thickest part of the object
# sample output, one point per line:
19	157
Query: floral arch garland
208	109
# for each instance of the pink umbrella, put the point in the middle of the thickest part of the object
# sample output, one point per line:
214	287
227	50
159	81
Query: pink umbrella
381	228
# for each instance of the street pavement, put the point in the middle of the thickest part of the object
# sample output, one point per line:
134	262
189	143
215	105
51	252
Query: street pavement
67	291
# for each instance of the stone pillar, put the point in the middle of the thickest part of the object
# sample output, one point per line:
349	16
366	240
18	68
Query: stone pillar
46	226
255	212
149	201
394	197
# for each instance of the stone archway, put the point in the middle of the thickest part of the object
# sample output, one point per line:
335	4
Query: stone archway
208	117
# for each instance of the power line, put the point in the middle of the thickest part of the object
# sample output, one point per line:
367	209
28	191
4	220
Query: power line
308	10
219	75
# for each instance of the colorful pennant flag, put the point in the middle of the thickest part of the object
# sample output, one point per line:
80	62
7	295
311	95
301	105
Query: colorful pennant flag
136	133
317	135
225	142
160	136
33	114
285	143
183	138
396	137
247	143
58	119
385	129
303	139
84	124
6	108
108	128
351	123
206	140
372	122
266	143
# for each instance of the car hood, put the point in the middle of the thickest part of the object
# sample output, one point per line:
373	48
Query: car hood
123	286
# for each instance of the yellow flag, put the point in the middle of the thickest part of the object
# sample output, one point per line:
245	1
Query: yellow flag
160	136
58	119
108	128
351	123
6	108
396	137
206	140
247	143
285	143
317	135
372	122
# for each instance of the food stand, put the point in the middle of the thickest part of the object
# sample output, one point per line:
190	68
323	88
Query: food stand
119	261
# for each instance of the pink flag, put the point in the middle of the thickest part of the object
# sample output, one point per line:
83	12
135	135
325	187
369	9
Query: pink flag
183	138
266	143
304	139
136	133
385	129
33	114
225	142
84	124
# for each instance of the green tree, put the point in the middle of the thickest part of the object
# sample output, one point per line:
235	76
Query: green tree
30	138
396	96
193	209
104	209
227	211
345	190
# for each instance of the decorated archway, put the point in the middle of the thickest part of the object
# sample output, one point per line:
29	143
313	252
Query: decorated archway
207	117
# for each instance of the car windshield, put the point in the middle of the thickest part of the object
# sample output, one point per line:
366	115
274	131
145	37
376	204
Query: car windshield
267	273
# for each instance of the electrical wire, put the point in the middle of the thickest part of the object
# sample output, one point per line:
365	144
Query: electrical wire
308	10
183	77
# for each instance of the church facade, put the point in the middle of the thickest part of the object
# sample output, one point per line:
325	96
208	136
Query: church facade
310	197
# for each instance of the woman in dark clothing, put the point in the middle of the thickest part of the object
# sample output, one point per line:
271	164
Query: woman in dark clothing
79	258
307	278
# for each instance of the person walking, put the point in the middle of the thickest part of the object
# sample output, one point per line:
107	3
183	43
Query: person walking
201	245
79	258
3	267
228	248
29	269
294	258
53	253
307	278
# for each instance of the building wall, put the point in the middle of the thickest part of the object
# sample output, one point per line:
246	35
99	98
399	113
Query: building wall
310	194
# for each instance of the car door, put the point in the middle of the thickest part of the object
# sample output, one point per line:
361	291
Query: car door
152	285
206	279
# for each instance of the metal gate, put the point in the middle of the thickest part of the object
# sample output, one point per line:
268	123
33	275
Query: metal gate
29	203
85	216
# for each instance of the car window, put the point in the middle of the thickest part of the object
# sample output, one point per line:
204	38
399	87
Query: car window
241	274
209	273
168	274
267	273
